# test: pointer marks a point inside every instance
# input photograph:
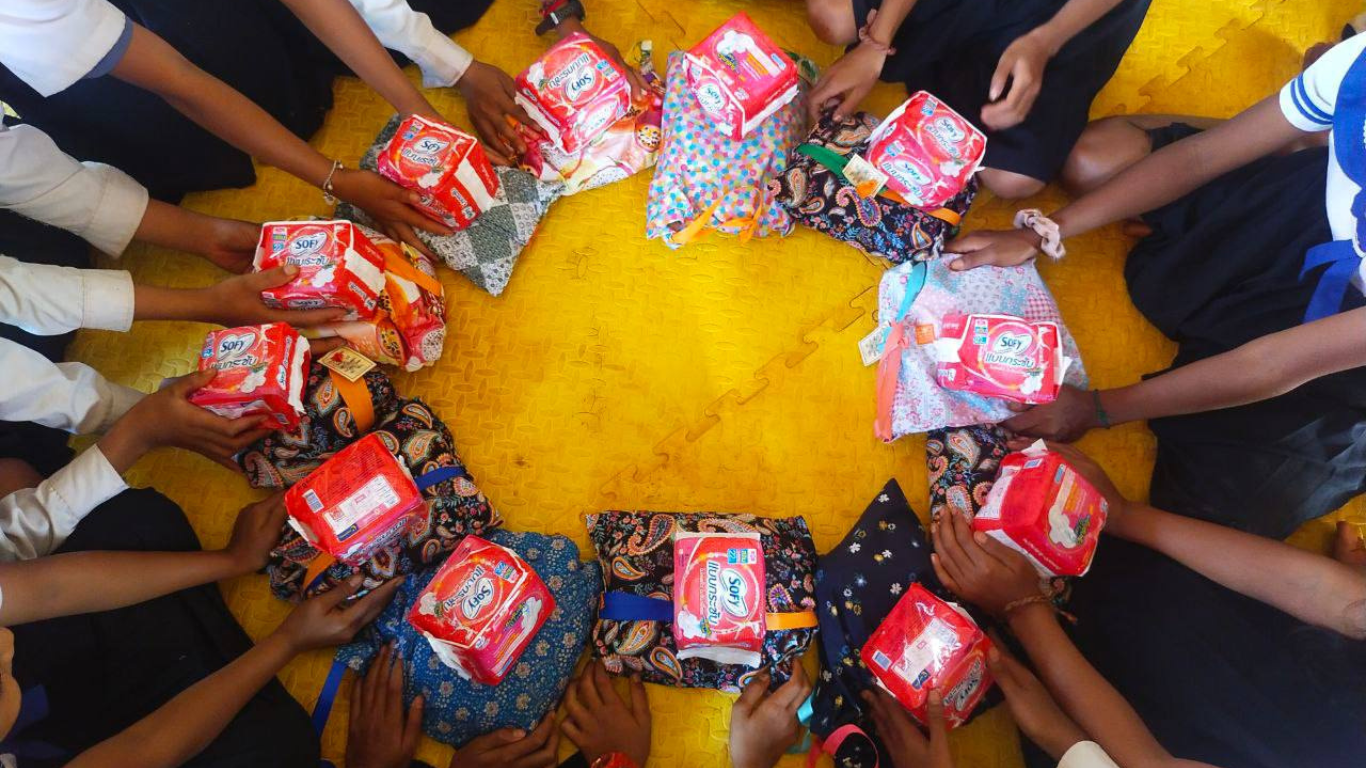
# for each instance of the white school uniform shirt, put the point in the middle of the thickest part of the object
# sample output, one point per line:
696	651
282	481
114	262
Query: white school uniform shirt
52	44
1086	754
1309	102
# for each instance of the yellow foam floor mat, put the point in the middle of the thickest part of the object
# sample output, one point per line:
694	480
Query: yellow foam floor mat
616	373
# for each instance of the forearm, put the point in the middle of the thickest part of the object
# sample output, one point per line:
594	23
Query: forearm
1258	370
89	582
1315	589
1071	19
341	28
153	302
154	65
889	19
1086	696
1180	168
188	723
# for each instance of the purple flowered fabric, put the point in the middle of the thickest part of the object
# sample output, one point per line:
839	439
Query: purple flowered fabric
636	551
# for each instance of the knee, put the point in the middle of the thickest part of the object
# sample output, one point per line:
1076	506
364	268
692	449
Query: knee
1105	148
1011	186
832	21
16	475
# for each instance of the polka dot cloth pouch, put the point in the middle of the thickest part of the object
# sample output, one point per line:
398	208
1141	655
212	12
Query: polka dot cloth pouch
457	710
917	403
706	181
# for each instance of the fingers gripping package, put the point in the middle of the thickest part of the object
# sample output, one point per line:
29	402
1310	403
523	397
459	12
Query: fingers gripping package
1001	356
927	644
260	372
481	610
719	598
574	92
448	169
338	266
740	76
356	503
1041	507
927	151
409	329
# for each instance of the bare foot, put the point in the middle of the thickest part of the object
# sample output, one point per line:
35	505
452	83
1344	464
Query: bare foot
1136	228
1348	546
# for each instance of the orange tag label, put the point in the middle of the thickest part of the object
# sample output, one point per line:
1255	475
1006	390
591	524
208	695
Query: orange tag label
924	333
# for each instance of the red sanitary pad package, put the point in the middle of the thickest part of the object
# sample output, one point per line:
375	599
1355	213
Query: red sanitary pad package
740	76
260	372
338	266
481	610
927	151
1001	356
447	167
1041	507
719	597
927	644
359	501
574	92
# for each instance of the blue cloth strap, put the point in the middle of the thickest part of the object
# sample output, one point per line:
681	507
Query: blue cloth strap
440	475
915	282
323	709
626	606
1343	260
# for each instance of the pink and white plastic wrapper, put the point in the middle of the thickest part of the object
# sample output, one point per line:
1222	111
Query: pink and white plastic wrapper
740	76
720	609
574	92
1001	356
927	150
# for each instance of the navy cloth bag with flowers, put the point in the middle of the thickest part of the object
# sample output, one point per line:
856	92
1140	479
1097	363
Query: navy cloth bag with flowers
637	555
457	710
819	196
857	585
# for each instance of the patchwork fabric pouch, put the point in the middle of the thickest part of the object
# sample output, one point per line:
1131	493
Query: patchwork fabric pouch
457	710
857	585
708	182
634	635
815	191
486	250
913	299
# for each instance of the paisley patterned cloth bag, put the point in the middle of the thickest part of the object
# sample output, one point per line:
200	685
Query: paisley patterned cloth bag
815	191
915	297
634	633
457	710
486	250
339	412
705	181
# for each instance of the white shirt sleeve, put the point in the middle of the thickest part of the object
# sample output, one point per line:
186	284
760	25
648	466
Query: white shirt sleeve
1309	100
35	521
95	201
1086	754
402	29
66	396
51	44
47	300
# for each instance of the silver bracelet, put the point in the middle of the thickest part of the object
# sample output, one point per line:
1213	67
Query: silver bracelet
329	194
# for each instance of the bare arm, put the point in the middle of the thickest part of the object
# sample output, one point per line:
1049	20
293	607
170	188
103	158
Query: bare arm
1072	18
1086	696
1315	589
345	33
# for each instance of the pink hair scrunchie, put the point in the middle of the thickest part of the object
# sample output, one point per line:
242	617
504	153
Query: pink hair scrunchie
1044	227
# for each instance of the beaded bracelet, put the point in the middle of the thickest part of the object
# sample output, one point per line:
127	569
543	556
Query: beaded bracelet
329	194
1101	416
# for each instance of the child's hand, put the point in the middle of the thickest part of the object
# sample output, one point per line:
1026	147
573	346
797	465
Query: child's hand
512	748
256	532
326	620
231	244
1022	65
382	733
978	568
846	83
237	301
763	726
167	419
1066	419
1031	705
601	722
488	93
571	25
996	248
899	733
388	203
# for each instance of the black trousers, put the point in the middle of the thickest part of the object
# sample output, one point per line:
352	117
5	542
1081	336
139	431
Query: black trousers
105	671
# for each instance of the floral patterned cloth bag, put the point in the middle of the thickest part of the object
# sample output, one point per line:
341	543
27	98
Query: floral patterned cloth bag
706	181
817	194
634	634
913	299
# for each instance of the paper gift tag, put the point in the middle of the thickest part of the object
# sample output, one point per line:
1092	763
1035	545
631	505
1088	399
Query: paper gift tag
873	345
348	362
867	179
